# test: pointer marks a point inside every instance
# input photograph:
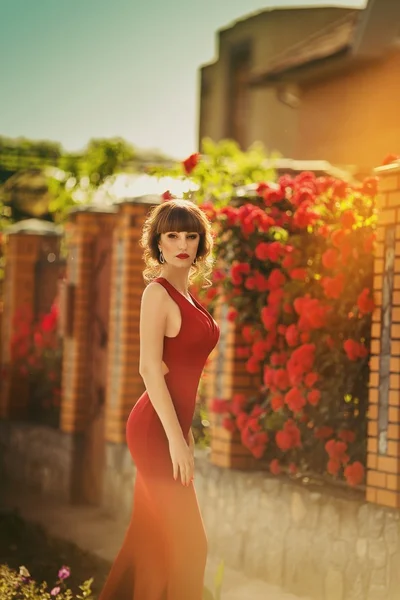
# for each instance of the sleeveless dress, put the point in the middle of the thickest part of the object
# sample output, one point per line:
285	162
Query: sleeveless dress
164	552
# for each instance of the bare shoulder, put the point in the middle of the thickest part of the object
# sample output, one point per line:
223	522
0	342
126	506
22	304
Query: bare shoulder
154	295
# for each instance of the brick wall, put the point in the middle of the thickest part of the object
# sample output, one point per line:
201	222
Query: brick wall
226	376
125	385
383	477
30	242
85	227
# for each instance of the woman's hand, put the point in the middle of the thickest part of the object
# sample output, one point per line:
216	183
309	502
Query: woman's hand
191	441
182	460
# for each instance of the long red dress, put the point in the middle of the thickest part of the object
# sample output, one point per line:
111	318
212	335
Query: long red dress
164	552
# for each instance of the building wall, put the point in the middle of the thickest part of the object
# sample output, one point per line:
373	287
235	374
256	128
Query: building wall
265	35
353	118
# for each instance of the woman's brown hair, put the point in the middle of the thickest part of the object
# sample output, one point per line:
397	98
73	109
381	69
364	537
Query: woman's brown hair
177	215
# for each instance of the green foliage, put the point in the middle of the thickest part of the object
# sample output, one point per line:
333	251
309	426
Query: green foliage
223	167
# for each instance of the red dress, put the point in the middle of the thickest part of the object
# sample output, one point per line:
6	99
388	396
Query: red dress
164	552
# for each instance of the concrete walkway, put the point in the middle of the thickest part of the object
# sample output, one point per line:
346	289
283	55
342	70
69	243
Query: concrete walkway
94	531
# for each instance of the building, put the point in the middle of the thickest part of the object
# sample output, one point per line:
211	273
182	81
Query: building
310	83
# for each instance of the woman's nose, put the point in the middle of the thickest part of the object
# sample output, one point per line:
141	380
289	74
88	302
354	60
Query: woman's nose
182	243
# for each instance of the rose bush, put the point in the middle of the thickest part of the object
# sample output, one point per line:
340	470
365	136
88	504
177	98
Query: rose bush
36	355
294	263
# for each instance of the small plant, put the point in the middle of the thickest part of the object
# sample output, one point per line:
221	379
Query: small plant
21	586
218	578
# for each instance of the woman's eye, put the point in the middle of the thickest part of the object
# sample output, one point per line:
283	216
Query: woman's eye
193	236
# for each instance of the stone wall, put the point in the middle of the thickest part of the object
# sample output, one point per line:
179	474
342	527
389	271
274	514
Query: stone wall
36	456
325	543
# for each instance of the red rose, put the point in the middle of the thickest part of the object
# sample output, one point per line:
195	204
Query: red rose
304	216
311	379
323	432
281	379
269	317
295	400
340	189
354	350
330	258
275	297
239	401
274	467
261	188
333	286
333	466
247	333
276	279
211	293
365	303
191	162
337	237
252	365
298	274
259	349
354	473
237	272
370	186
241	420
283	440
219	406
292	335
167	196
277	402
314	397
229	424
232	315
272	196
348	219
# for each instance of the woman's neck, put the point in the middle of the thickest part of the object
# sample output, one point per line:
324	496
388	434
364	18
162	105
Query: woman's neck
180	280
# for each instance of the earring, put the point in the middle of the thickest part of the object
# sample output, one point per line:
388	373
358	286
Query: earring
161	258
195	261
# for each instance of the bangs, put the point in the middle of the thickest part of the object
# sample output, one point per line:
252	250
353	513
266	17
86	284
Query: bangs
179	218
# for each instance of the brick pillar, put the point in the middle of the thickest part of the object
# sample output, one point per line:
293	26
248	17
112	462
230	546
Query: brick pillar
77	319
125	385
226	376
383	458
29	243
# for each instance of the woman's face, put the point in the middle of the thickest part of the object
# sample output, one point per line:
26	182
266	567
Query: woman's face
179	248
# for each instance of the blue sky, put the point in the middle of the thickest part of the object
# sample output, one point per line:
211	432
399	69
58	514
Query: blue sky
75	69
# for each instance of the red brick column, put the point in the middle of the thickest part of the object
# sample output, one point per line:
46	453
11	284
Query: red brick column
383	460
125	385
83	228
226	376
28	242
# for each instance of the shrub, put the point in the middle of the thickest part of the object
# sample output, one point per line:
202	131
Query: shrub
20	586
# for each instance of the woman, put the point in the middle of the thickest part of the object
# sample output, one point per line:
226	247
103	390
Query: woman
164	553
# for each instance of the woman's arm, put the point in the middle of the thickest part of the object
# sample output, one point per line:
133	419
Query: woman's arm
153	320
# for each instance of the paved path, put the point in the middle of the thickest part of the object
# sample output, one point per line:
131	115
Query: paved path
94	531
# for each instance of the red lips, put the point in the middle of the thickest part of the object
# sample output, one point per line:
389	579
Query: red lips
182	256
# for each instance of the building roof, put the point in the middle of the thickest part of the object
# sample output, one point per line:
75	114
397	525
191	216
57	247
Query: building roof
333	40
362	34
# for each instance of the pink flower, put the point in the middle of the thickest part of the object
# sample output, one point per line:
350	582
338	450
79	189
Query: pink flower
64	573
55	591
